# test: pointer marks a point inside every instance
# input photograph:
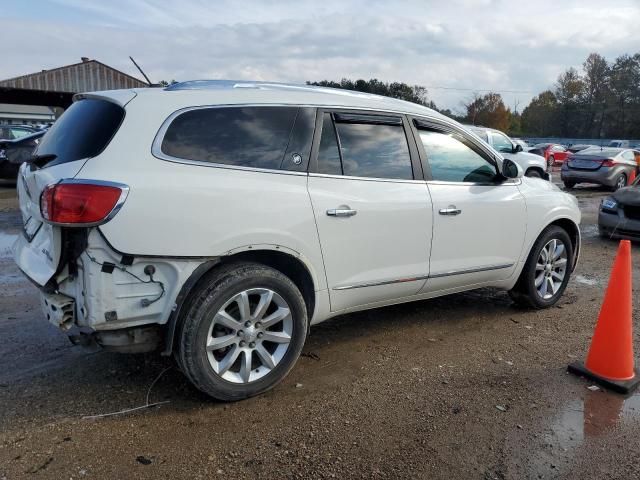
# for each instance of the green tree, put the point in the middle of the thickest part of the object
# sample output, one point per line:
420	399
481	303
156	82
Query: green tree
539	118
411	93
569	92
595	93
489	111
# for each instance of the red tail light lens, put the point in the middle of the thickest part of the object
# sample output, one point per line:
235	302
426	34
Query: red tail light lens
81	204
607	163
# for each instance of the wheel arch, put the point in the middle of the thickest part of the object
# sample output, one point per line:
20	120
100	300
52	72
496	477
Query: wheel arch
574	233
285	262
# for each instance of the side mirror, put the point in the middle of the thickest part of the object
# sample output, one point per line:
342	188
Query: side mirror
517	148
511	169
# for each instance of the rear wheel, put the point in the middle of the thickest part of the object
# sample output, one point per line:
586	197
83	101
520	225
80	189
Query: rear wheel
547	270
242	332
551	161
621	182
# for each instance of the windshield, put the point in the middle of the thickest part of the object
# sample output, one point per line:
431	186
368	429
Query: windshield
83	131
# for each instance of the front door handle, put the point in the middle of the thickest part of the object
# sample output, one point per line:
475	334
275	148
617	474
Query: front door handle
451	210
341	211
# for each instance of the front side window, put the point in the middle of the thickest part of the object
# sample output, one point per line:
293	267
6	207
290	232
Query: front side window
242	136
452	160
501	142
559	148
374	150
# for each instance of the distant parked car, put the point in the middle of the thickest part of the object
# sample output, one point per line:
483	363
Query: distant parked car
15	152
619	144
522	143
13	132
533	165
579	147
619	215
552	152
611	167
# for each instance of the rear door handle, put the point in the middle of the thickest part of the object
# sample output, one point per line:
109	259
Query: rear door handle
341	211
451	210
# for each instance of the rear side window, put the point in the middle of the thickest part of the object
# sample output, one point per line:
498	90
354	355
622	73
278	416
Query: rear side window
256	137
364	146
83	131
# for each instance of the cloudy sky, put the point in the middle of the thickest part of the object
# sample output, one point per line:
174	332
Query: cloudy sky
454	48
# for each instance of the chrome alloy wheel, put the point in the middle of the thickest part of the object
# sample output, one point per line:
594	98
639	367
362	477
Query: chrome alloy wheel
551	268
249	335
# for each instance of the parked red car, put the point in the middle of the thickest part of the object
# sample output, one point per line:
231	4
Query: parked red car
552	152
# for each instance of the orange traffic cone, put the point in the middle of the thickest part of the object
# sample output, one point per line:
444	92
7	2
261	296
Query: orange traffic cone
610	358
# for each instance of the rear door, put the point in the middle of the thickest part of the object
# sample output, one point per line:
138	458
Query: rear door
371	206
479	222
82	132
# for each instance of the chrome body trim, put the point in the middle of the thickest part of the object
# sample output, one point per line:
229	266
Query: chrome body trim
368	179
383	282
123	196
471	270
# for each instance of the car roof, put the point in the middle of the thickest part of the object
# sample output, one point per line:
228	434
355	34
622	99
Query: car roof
232	92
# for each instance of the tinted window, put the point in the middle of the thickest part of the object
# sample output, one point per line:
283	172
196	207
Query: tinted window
83	131
373	150
451	160
244	136
328	154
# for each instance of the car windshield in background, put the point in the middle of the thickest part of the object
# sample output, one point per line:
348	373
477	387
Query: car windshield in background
83	131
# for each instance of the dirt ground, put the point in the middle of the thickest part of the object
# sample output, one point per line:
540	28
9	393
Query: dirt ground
465	386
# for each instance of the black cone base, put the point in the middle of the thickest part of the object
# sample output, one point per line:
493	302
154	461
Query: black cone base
626	386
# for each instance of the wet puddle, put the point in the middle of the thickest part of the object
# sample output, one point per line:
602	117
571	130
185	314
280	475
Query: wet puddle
6	242
580	421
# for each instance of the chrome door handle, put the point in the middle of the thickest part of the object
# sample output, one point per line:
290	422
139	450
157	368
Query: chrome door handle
451	210
341	211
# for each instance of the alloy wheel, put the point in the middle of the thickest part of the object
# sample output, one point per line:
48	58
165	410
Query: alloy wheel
621	182
551	268
249	336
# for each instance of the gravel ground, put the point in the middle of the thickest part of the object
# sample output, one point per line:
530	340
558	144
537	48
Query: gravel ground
465	386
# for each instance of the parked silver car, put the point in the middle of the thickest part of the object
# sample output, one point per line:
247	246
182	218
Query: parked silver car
533	165
610	167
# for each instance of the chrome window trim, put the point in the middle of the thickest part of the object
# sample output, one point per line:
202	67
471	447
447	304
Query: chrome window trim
368	179
156	145
509	182
471	270
123	196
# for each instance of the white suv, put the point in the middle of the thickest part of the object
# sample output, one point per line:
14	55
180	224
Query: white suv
217	221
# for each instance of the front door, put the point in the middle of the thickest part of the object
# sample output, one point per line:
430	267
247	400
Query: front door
479	222
372	209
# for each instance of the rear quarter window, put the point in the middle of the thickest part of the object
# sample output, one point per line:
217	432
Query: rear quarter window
259	137
83	131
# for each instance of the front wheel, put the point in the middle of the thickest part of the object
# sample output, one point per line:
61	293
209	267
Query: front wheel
547	270
533	173
551	161
242	332
569	185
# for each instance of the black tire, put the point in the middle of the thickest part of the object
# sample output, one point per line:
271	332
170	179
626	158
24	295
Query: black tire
551	161
621	182
205	301
569	185
524	292
533	173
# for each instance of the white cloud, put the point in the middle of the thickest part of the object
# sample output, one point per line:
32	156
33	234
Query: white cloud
467	44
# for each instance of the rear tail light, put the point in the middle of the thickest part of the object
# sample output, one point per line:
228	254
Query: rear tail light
607	163
81	202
